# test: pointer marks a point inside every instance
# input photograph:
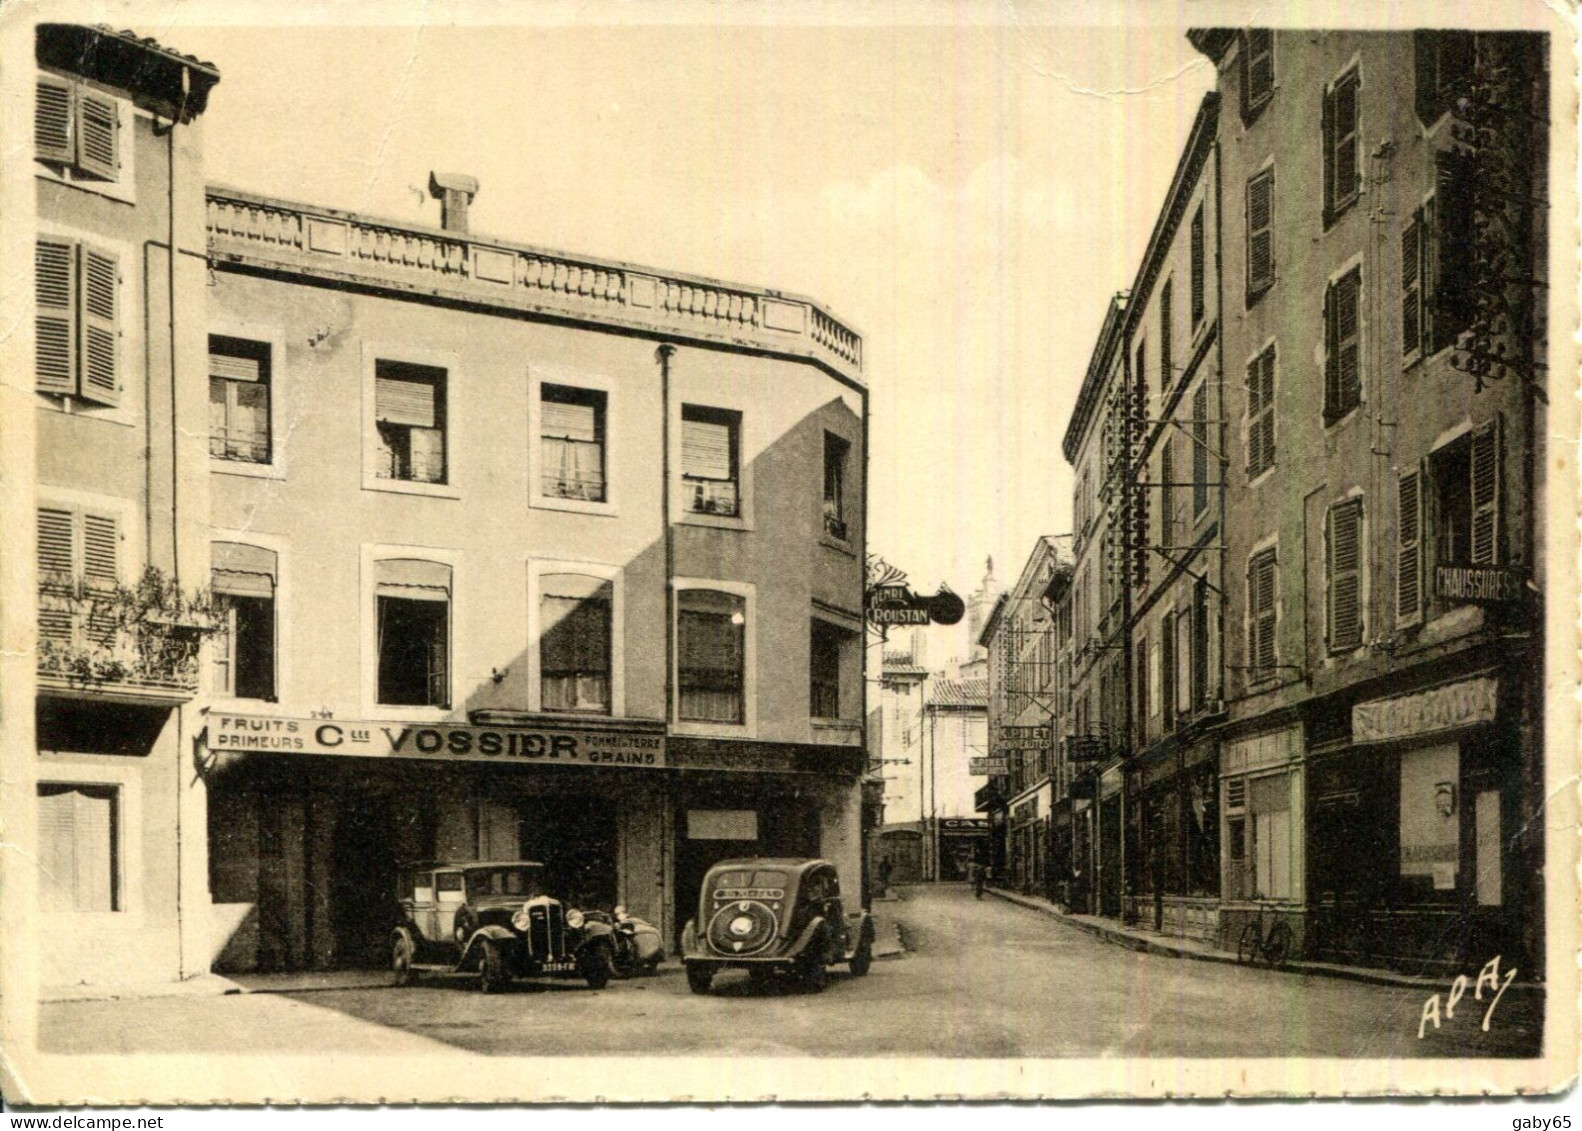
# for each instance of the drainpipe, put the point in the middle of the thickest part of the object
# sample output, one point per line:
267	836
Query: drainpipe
667	828
175	510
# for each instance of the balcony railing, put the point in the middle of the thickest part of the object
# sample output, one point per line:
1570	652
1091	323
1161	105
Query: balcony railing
78	656
328	244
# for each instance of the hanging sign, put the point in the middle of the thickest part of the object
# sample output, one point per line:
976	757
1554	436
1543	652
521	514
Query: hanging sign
896	604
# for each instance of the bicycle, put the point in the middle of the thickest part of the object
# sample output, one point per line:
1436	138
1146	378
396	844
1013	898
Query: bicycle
1272	947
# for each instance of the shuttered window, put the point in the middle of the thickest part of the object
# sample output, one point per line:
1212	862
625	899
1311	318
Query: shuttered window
1409	549
710	456
571	435
1200	463
77	545
1260	413
575	625
79	869
242	656
1411	286
1444	62
239	399
1260	234
1342	146
1262	615
78	332
1167	670
1257	70
1452	274
1198	268
77	129
1343	346
1167	514
412	603
1166	317
711	656
409	411
1486	494
1344	574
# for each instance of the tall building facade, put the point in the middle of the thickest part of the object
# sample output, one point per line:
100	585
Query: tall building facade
1383	249
460	549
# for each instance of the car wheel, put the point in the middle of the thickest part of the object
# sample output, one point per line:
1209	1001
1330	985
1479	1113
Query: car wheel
402	952
814	971
699	978
863	959
491	968
623	958
594	964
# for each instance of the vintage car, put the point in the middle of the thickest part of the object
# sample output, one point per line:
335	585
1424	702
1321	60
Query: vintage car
494	919
774	916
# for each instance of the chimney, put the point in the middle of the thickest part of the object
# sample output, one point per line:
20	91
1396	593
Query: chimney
454	191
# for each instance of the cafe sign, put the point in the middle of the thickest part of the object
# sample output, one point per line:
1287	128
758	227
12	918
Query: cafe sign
443	742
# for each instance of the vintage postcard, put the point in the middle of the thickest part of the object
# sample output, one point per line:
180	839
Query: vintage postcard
833	551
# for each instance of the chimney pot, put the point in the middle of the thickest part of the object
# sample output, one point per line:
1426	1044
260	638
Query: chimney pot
454	191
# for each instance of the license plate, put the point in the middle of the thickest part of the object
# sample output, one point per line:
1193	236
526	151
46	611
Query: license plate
559	967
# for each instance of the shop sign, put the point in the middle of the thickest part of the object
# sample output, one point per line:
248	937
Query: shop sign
1451	707
1026	738
896	604
963	826
1477	583
440	741
979	767
1085	748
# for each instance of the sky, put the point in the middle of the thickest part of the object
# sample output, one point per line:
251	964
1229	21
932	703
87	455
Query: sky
967	195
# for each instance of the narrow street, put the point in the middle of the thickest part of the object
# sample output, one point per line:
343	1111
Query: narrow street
980	979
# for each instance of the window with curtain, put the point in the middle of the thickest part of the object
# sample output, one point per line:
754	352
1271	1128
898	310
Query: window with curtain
409	413
836	451
711	460
824	669
78	859
239	400
711	643
575	626
412	606
572	439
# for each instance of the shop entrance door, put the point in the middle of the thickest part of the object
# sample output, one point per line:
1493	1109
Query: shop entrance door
1110	858
705	836
575	837
362	881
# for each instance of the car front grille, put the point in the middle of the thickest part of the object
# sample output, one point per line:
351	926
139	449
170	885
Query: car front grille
546	931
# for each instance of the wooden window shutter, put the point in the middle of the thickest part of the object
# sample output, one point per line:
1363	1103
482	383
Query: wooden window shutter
1267	423
99	550
55	269
1425	59
1485	463
1255	456
1331	355
1455	274
706	449
1327	128
1200	450
1347	169
99	340
1198	266
1264	657
56	558
1260	231
1411	291
1166	316
234	368
52	121
1260	64
1345	575
1409	552
98	141
407	401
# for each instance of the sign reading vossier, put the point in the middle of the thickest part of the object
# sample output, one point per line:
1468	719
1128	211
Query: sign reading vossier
439	741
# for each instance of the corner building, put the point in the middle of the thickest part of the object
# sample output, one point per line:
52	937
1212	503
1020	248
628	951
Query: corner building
529	556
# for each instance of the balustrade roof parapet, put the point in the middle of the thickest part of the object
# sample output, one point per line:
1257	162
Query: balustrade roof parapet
247	229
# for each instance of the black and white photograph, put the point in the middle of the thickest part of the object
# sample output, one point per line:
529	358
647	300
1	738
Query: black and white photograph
721	553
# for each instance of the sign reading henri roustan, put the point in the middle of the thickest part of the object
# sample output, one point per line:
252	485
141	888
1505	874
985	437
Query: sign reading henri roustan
439	741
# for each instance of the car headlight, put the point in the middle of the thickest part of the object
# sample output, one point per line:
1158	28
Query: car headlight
574	918
519	920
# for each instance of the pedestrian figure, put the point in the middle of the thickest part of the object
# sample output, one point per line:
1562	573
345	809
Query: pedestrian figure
976	877
884	876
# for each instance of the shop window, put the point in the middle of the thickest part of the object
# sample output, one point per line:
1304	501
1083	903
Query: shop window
244	580
1200	641
711	460
412	601
1342	145
829	641
837	453
1443	63
1167	670
1343	575
1198	269
572	435
1342	346
1202	815
409	415
1260	234
711	655
78	288
78	847
239	395
1260	413
77	130
1262	655
1269	830
575	628
1257	71
1430	802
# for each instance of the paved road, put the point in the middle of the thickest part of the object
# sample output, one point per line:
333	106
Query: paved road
983	979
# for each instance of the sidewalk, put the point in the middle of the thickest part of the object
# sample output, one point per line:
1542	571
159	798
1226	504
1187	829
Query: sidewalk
1172	946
